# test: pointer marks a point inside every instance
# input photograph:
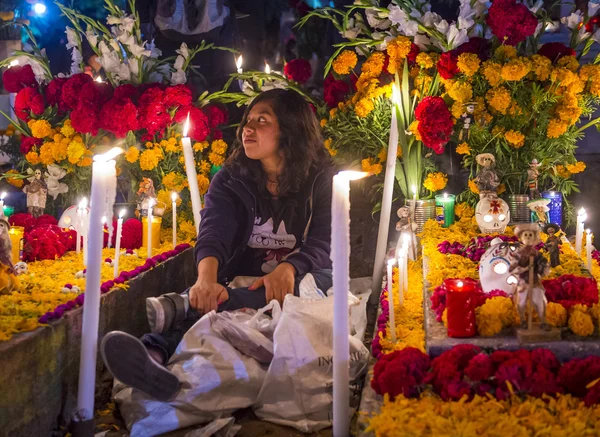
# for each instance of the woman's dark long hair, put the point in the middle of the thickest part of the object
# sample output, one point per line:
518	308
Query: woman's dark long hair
300	142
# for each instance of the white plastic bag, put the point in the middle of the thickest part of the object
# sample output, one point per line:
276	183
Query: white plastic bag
298	387
216	378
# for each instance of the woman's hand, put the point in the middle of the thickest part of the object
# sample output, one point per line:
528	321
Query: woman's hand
278	283
205	296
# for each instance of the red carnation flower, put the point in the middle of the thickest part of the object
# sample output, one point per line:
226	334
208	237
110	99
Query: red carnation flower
401	372
126	91
151	95
71	90
95	94
412	55
435	123
335	91
29	100
555	50
131	234
447	65
480	368
46	220
27	143
198	122
54	91
216	115
152	112
545	358
46	242
178	95
84	119
298	70
18	77
476	45
593	396
22	219
510	22
575	375
542	382
119	116
455	390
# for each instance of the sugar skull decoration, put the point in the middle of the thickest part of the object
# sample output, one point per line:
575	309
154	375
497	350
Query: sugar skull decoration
494	266
492	214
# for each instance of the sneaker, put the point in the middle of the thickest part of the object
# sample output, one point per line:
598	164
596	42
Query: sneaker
164	311
128	360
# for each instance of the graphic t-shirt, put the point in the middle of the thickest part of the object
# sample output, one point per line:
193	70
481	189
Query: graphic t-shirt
278	228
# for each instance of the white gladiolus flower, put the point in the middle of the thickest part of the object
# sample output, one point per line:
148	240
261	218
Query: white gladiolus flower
376	21
92	38
422	41
72	38
596	36
178	77
592	8
127	23
442	27
133	66
137	50
111	19
154	51
386	39
456	37
126	39
430	19
183	51
179	62
76	59
405	25
573	20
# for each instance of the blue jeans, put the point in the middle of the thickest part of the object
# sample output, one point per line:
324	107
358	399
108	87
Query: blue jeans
239	298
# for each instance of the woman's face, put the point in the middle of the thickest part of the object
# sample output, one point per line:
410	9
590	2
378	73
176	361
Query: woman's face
260	135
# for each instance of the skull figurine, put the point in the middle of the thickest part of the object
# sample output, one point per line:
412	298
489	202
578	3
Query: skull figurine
21	268
494	265
492	214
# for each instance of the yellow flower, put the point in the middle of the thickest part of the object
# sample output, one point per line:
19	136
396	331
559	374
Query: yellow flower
345	62
216	159
562	171
173	181
200	147
382	155
164	196
568	62
515	69
473	187
15	182
327	145
323	122
33	158
364	107
422	83
332	113
67	130
204	167
46	157
556	128
424	60
414	128
590	75
578	167
468	63
556	314
172	145
150	145
373	65
491	71
186	231
75	151
40	128
368	165
203	183
60	149
435	181
86	160
501	189
541	66
464	211
397	51
461	92
499	99
515	139
505	52
580	322
149	160
495	314
457	110
219	146
132	154
463	149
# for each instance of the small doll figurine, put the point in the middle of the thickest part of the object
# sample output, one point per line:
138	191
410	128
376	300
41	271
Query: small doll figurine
407	226
144	194
539	209
530	266
467	118
487	180
37	192
8	279
532	177
553	243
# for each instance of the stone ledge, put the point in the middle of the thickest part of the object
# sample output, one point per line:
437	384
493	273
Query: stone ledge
40	369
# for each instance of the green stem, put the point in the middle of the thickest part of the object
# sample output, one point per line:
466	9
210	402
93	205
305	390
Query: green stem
585	126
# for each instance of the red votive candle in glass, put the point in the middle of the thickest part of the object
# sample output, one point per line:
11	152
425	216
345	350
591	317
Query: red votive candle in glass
460	301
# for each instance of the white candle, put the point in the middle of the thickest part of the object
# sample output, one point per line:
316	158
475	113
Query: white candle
340	257
150	205
390	283
588	249
407	241
174	199
2	196
78	229
238	63
581	217
267	68
401	255
85	223
118	243
386	205
104	190
190	169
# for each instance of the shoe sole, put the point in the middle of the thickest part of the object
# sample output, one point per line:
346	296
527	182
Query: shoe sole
128	360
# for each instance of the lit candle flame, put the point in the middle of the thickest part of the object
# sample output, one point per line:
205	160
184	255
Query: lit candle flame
267	68
151	202
395	94
414	189
103	219
111	154
445	195
391	262
186	126
406	238
589	231
459	284
238	62
581	211
14	62
122	213
174	196
2	195
99	79
83	203
351	175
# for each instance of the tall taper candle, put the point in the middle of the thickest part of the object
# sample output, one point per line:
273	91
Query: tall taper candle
588	249
118	243
2	196
104	186
85	225
390	290
581	217
150	205
340	257
78	228
190	169
174	199
386	201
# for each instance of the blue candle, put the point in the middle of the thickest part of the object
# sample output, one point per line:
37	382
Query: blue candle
555	205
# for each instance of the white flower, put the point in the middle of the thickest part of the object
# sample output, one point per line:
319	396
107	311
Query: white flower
442	27
456	37
127	23
405	25
573	20
430	19
536	7
76	60
137	50
126	38
271	85
154	51
596	36
38	70
72	38
355	26
179	62
386	39
133	66
466	15
376	21
92	38
592	8
111	19
183	50
422	41
178	77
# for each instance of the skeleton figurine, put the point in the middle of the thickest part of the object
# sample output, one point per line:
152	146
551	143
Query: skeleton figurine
539	209
407	228
487	180
37	192
553	243
144	194
467	118
529	262
8	279
532	176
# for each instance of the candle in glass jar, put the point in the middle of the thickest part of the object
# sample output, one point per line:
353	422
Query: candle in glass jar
444	209
15	234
